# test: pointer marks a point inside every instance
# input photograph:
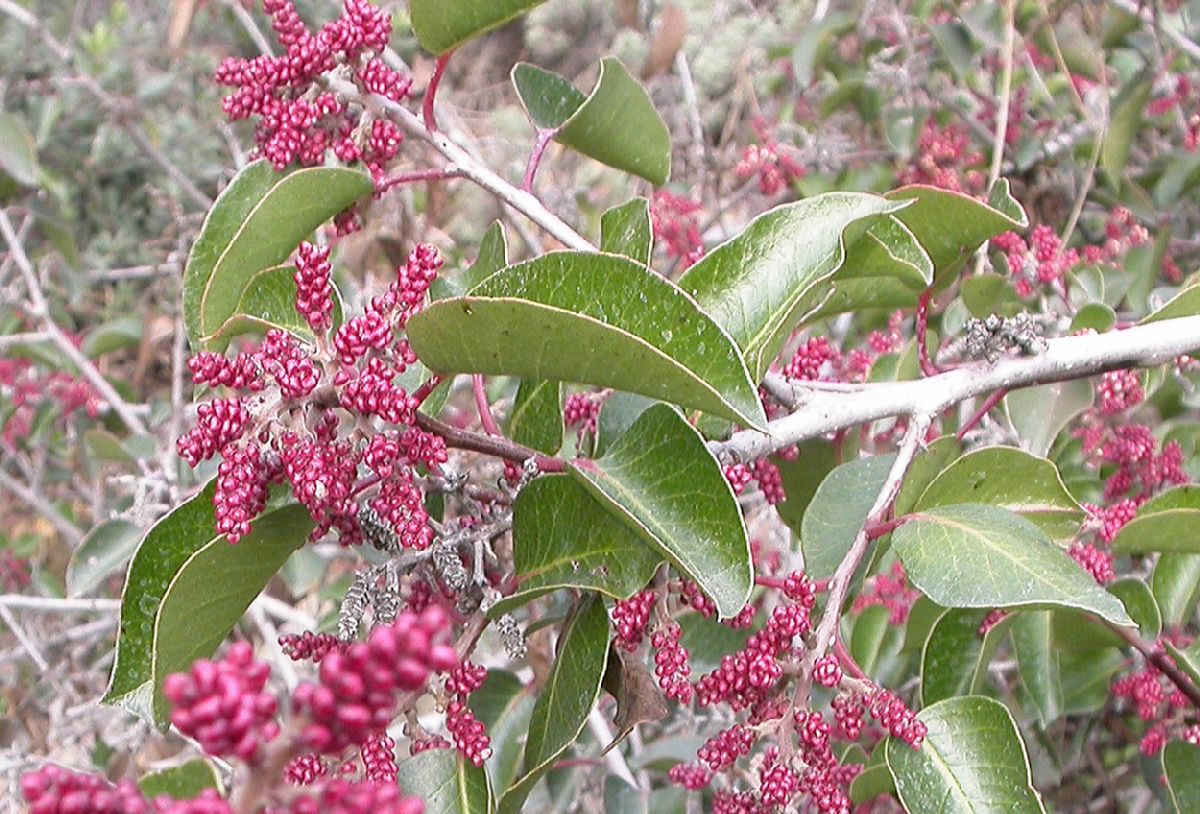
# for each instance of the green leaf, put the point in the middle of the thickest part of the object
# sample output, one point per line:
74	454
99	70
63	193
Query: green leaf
503	704
617	414
837	512
1039	414
972	762
1011	479
760	284
255	224
1184	304
491	257
18	153
592	319
1095	316
1123	125
867	638
121	333
1169	522
1181	765
973	556
616	124
563	538
801	477
927	465
446	782
625	230
443	25
1037	660
1188	660
1176	586
106	548
661	481
182	782
986	294
565	702
212	589
269	302
955	658
1074	631
537	417
162	552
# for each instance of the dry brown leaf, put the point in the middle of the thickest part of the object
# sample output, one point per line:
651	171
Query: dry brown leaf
667	41
182	13
627	13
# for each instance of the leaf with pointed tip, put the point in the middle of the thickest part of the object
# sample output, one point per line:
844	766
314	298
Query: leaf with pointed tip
562	708
616	124
975	556
443	25
503	705
971	762
564	538
617	414
269	302
660	479
838	510
1169	522
1073	631
183	782
1037	661
1188	659
1013	480
868	635
257	221
1181	765
446	782
760	284
1184	304
212	589
1175	584
537	416
625	230
592	319
955	658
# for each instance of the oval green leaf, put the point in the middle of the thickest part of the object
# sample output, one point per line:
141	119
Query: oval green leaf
443	25
537	417
1010	479
106	548
213	588
1169	522
955	658
616	124
269	302
838	510
974	556
1181	765
562	708
564	538
660	480
447	783
625	230
592	319
257	221
973	761
1037	662
761	283
182	782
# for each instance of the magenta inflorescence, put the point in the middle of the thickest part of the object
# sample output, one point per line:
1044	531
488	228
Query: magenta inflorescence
772	162
299	121
54	790
355	696
630	618
470	735
224	706
676	227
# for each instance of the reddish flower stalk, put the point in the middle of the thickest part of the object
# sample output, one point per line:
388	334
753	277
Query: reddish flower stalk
439	68
544	137
985	408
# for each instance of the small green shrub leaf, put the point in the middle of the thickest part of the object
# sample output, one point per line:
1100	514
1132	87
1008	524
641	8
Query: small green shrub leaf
106	548
972	762
537	417
838	510
625	230
661	481
443	25
446	782
592	319
256	223
182	782
975	556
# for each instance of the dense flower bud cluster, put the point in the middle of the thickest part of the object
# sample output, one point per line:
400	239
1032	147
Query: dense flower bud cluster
223	704
272	432
691	776
469	733
378	755
810	358
676	227
630	618
892	591
305	770
894	716
771	161
827	672
671	664
356	694
723	749
1139	467
25	390
54	790
1096	562
944	158
297	122
582	411
309	646
365	797
1118	391
1109	520
1157	701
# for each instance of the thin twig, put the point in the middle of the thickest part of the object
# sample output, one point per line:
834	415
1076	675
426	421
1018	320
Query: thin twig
70	532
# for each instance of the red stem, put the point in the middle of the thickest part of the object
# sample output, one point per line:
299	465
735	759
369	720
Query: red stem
439	68
985	408
848	662
928	368
427	387
487	444
414	177
877	530
485	410
535	158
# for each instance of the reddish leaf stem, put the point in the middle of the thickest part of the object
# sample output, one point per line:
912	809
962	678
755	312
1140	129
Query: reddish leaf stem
416	176
847	660
485	410
497	446
439	68
985	408
427	387
928	368
543	139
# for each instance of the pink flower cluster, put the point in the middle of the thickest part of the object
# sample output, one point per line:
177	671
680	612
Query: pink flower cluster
892	591
298	121
771	161
276	431
671	664
469	733
355	696
14	571
676	227
1157	701
223	704
582	411
945	158
27	389
630	618
1181	96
